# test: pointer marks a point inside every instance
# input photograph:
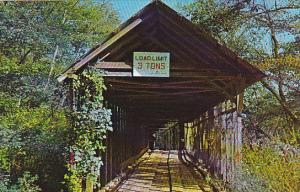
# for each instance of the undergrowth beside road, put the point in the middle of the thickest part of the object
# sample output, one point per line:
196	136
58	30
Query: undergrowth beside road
268	169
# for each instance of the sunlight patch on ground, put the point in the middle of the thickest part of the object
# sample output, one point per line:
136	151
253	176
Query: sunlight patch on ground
152	176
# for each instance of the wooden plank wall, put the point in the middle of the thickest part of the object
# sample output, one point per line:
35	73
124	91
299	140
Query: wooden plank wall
216	139
127	140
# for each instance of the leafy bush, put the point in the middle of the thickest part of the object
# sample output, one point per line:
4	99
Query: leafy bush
244	181
279	171
33	139
73	180
25	184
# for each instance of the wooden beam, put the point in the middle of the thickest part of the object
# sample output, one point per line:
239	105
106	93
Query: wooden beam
133	42
168	82
190	50
114	89
128	66
101	48
199	74
240	96
173	74
164	100
153	108
112	65
185	82
164	88
163	94
122	51
175	52
126	82
223	91
117	74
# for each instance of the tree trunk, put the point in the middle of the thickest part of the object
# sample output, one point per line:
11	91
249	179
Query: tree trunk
282	102
54	56
51	68
280	97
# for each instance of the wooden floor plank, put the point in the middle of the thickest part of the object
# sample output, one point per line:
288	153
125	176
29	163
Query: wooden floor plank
152	176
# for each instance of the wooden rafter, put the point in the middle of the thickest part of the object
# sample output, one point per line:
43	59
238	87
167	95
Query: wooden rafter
102	47
163	94
221	49
223	91
170	88
207	55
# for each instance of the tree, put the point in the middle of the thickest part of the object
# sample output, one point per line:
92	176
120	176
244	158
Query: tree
245	26
266	33
37	41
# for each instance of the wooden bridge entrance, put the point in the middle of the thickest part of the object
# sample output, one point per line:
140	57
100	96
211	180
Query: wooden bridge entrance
197	91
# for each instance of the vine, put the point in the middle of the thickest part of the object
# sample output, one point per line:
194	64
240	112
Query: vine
91	122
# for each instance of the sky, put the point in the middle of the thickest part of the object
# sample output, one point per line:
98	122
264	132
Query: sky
127	8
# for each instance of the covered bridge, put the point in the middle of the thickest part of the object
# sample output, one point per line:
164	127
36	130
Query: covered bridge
161	68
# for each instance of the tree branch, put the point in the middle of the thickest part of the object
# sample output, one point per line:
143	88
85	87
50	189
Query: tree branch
282	102
23	57
249	16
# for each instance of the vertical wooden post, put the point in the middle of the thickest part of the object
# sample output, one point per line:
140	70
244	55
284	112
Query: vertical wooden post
109	149
181	136
240	102
89	183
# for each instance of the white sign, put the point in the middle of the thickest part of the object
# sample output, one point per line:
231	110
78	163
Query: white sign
151	64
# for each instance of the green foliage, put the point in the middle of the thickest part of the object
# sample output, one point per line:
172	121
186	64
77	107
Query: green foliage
265	118
213	16
245	181
257	31
31	31
92	121
32	130
73	180
34	139
279	171
4	160
12	66
245	27
37	41
25	184
271	168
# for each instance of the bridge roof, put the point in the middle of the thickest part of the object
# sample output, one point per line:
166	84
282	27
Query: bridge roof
203	72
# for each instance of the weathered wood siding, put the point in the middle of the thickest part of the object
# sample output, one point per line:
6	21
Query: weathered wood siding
216	139
127	140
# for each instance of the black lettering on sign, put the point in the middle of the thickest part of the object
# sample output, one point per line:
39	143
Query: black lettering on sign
157	66
163	66
140	65
152	65
139	58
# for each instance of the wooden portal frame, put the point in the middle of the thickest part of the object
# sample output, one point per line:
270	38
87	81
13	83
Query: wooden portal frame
203	72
